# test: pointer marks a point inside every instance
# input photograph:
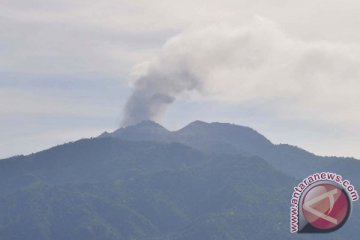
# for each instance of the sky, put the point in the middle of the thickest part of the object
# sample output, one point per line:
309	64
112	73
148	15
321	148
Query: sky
72	69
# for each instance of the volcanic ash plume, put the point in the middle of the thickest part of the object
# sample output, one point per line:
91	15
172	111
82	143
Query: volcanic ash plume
237	64
155	90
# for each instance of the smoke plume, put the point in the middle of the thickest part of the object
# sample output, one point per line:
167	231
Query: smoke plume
237	64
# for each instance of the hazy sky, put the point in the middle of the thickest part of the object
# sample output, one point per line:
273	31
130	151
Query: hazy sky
289	69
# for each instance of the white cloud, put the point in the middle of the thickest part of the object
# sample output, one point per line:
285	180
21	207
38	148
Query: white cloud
67	36
258	61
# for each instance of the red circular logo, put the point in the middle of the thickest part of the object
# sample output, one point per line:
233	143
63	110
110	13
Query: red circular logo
326	207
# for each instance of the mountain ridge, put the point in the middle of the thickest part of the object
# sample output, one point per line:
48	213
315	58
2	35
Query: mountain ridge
225	138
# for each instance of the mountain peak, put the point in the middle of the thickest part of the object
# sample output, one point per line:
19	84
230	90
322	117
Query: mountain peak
198	134
205	126
197	123
147	124
145	130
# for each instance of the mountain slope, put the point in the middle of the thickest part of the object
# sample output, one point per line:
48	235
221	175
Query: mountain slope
157	186
112	189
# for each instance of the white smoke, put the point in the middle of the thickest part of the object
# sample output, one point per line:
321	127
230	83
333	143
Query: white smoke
256	61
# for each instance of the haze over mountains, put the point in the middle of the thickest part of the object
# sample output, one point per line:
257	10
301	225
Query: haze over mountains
204	181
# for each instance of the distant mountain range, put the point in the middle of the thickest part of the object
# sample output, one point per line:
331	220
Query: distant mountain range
204	181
